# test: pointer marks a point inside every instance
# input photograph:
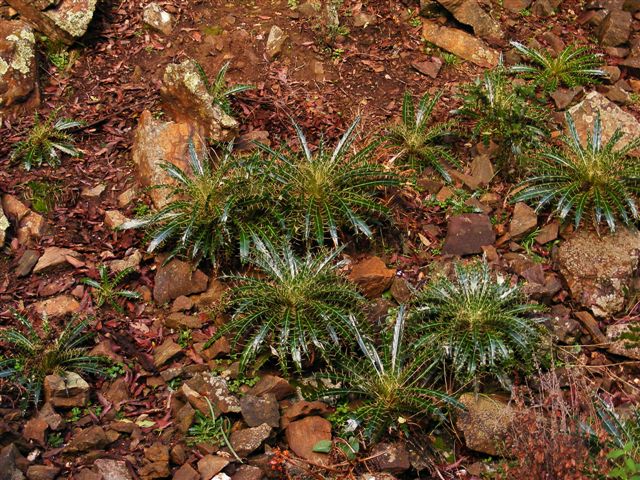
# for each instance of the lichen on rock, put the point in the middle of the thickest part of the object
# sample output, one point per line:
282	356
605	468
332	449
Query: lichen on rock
75	17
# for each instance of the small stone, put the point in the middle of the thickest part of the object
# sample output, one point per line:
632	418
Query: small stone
524	220
88	439
302	409
248	440
391	458
126	197
4	225
372	276
485	422
130	262
18	67
259	410
9	457
547	233
113	469
186	472
272	384
181	304
42	472
113	219
26	263
157	18
184	417
248	472
275	42
54	257
66	391
94	192
613	73
362	19
179	321
563	97
400	290
468	233
35	429
163	353
460	43
620	344
430	68
57	306
303	435
211	465
177	278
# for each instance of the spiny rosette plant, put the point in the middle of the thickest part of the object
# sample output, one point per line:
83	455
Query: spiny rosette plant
505	113
296	307
417	140
475	326
34	355
213	208
219	90
45	141
105	289
572	67
596	179
391	383
326	191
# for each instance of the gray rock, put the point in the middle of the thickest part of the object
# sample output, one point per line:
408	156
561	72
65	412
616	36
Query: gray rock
247	441
113	469
275	42
18	71
259	410
524	220
470	13
485	422
624	340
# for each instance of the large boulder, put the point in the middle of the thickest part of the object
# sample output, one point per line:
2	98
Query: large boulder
460	43
18	70
470	13
157	142
186	99
64	20
612	116
600	269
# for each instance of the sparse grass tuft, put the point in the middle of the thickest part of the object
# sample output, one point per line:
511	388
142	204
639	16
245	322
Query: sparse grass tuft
598	180
45	141
419	141
105	290
572	67
35	355
219	90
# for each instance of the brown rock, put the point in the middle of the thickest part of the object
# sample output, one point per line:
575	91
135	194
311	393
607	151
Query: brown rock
485	422
524	220
547	233
179	321
87	439
210	465
259	410
57	306
158	19
113	219
516	6
42	472
177	278
468	233
304	409
591	325
186	472
248	440
156	142
391	458
430	68
54	257
615	28
68	390
26	263
470	13
248	472
9	459
35	429
186	99
212	296
184	417
564	96
460	43
163	353
117	391
275	42
302	436
372	276
400	290
272	384
18	72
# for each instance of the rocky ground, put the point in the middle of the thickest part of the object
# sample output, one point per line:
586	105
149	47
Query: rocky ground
127	71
